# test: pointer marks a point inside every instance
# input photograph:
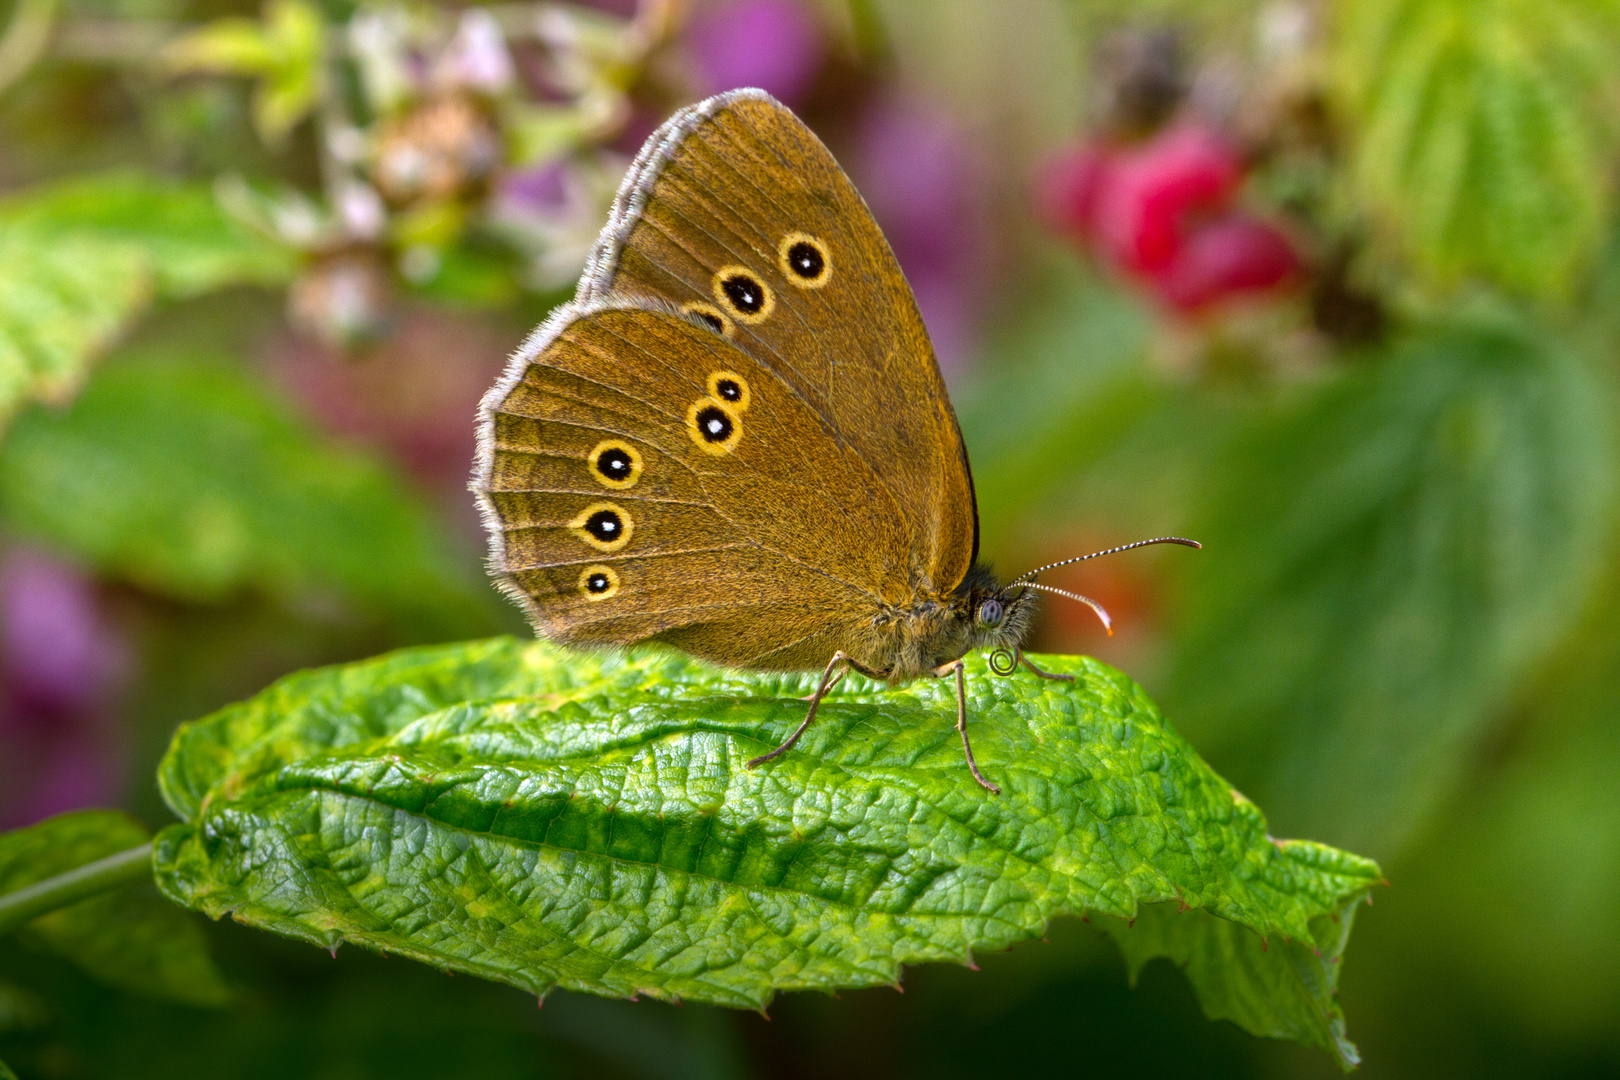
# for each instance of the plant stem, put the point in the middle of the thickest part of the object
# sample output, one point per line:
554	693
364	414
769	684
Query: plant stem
42	897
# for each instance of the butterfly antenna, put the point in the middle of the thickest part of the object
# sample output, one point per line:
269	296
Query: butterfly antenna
1102	613
1025	579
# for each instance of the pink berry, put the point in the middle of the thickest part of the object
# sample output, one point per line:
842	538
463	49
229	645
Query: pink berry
1143	211
1233	256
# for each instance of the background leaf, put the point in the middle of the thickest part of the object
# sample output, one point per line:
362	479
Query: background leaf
1484	131
1536	842
1384	561
80	260
550	819
285	52
1070	384
128	937
62	301
185	477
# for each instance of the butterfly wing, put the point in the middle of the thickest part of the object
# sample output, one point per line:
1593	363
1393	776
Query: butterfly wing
643	478
727	207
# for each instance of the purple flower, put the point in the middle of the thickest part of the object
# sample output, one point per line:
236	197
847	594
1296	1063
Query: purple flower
56	652
61	669
923	185
772	44
477	56
543	190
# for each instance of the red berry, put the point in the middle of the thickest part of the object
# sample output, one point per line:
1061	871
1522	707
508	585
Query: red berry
1143	211
1232	256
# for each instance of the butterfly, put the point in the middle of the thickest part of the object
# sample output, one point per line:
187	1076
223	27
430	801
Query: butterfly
736	441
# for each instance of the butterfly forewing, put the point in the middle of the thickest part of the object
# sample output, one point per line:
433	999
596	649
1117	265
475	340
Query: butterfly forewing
739	213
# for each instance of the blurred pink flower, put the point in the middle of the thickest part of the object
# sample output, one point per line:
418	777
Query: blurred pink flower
1162	211
919	176
62	668
1234	256
477	57
1150	195
775	45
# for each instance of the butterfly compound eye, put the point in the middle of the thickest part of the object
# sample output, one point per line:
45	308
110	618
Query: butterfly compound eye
743	295
804	260
990	613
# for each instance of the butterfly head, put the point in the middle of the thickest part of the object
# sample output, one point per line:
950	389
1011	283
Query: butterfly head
997	617
1003	616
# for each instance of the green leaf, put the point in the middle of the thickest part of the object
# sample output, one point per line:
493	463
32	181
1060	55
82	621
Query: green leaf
1383	563
81	259
552	819
1286	996
191	245
1484	132
61	303
285	52
183	476
6	1073
129	937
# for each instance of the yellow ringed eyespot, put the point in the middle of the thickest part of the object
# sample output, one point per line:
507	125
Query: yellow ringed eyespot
743	295
598	582
805	260
713	426
603	525
711	316
732	389
615	464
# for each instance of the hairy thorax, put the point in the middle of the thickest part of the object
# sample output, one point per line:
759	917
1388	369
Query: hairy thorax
906	641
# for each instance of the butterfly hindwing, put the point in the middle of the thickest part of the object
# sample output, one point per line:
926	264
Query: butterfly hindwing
644	478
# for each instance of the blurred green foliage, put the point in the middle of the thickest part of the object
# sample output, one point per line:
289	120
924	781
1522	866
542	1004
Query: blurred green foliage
1389	556
129	937
81	259
1486	132
182	476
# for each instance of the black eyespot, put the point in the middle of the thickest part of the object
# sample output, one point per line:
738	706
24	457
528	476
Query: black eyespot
805	260
745	293
597	583
613	463
728	389
605	525
990	613
712	319
713	424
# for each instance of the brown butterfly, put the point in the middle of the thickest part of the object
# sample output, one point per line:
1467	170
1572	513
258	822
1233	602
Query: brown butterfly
736	440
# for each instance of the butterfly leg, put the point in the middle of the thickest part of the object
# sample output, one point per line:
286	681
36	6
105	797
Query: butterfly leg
1043	674
819	694
837	668
957	668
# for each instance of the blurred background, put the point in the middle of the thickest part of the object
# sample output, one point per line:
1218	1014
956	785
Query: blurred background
1329	286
